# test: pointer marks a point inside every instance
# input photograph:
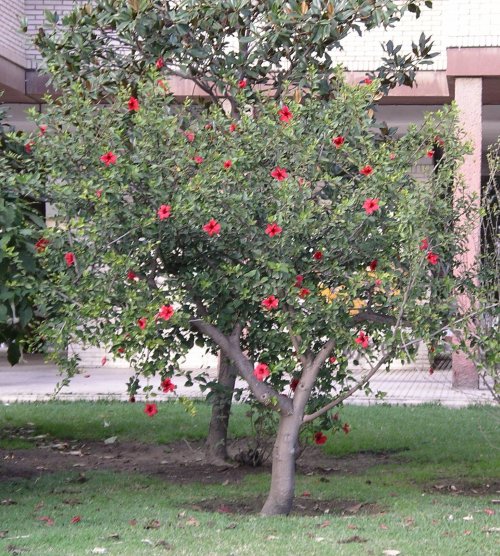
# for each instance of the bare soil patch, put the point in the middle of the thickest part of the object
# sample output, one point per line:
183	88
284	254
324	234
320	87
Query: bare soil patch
465	488
180	462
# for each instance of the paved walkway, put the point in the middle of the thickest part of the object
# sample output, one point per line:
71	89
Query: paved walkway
36	381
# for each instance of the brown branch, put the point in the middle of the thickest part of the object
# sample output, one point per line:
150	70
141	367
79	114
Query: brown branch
263	392
311	416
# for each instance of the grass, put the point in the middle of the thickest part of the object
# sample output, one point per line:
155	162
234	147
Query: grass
436	444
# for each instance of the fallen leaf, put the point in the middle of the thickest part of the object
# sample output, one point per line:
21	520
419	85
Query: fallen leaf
488	511
148	541
165	545
383	526
16	549
223	509
231	526
72	501
468	518
132	522
110	440
467	532
99	550
192	522
319	539
352	527
39	506
76	519
105	424
391	552
3	534
46	519
114	537
324	524
152	524
272	538
355	538
490	529
225	483
8	502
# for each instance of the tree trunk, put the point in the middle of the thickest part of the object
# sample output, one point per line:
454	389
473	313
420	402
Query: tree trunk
216	445
281	493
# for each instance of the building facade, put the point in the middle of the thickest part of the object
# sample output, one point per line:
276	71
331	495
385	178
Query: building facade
466	34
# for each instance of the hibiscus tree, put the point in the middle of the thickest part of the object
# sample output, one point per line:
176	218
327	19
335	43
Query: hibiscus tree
278	274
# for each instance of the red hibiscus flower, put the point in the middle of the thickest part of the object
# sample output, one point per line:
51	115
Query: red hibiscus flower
433	258
367	81
366	170
332	360
270	303
160	63
43	129
227	164
279	174
242	83
108	158
232	128
131	275
76	519
373	265
165	312
104	360
317	255
98	193
133	104
208	127
378	282
41	245
346	428
28	146
164	212
439	141
320	438
212	227
285	114
121	350
167	385
273	229
142	323
261	371
69	258
304	292
189	136
151	409
293	384
198	159
298	280
392	156
338	141
371	206
362	339
424	244
430	153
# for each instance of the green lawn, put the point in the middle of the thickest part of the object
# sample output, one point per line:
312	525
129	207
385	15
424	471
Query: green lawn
436	445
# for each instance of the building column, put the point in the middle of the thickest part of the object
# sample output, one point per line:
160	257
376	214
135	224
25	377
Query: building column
468	96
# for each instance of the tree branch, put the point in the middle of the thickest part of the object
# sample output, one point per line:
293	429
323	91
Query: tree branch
350	392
